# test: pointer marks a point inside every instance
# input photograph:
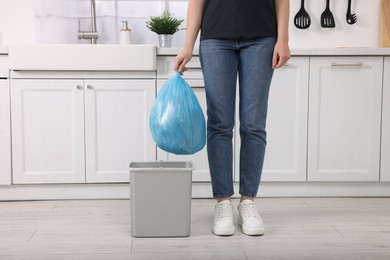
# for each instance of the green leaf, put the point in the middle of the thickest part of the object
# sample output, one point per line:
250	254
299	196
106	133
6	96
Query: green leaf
164	24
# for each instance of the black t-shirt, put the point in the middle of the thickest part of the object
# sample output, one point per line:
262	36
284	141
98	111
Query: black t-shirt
238	18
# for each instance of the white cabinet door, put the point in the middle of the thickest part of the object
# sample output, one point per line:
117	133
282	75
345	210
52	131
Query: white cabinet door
344	118
199	160
47	131
285	157
117	127
5	135
385	154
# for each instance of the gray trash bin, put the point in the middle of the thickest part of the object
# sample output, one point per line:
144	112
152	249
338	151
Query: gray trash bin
160	199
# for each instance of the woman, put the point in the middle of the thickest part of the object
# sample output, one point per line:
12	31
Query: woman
248	38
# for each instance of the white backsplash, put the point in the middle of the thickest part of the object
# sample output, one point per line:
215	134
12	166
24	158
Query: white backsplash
56	21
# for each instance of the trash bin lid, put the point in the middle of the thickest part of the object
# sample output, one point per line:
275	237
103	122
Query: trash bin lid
161	165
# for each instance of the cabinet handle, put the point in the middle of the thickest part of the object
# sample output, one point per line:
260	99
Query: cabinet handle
357	64
90	87
79	87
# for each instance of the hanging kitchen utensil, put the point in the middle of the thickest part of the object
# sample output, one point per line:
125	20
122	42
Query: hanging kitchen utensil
351	18
302	18
327	19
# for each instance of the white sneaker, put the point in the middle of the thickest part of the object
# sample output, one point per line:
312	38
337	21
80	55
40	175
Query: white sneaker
223	224
249	219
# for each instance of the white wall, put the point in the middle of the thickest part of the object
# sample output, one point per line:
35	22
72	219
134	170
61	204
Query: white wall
17	24
365	33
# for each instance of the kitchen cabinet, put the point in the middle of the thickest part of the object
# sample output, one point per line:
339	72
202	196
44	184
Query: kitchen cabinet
324	118
5	135
117	127
285	157
48	131
79	130
199	160
385	152
286	124
328	127
344	118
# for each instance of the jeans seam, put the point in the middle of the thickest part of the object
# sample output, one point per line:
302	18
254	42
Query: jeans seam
247	195
224	196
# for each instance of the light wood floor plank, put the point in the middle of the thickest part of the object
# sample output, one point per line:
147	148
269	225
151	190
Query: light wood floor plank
93	246
81	234
296	228
262	243
374	231
140	256
16	235
302	254
348	203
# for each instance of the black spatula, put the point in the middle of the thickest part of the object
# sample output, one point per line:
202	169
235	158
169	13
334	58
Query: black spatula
302	18
327	19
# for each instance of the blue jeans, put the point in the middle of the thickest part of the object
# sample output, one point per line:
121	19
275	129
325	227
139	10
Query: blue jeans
222	60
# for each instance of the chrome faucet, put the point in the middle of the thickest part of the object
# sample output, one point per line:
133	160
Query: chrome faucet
93	35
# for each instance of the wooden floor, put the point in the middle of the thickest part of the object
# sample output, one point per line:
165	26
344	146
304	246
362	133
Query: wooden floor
296	228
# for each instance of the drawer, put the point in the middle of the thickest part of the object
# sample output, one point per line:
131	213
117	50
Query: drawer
165	67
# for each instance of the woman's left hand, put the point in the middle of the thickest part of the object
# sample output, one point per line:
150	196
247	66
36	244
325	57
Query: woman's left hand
281	54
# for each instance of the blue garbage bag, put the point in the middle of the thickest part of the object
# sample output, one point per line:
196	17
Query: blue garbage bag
176	121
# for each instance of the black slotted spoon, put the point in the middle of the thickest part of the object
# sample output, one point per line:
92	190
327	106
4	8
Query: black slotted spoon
302	18
327	19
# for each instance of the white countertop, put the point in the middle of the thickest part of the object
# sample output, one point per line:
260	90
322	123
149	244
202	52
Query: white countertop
307	52
347	51
82	57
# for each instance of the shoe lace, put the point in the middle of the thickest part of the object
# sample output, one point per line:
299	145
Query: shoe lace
223	211
250	211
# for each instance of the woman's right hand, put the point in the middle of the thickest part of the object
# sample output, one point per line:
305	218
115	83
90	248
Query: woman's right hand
180	61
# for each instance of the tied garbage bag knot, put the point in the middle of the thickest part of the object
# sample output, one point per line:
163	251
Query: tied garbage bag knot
177	122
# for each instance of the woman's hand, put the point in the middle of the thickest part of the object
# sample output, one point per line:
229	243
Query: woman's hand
281	50
179	63
281	54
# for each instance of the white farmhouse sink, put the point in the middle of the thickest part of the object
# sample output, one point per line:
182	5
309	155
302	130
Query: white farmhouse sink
74	57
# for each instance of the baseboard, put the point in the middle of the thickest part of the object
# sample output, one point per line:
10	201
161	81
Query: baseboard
199	190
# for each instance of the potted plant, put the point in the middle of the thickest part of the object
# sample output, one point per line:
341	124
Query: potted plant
165	26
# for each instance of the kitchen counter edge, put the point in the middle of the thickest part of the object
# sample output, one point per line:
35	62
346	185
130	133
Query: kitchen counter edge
294	52
305	52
